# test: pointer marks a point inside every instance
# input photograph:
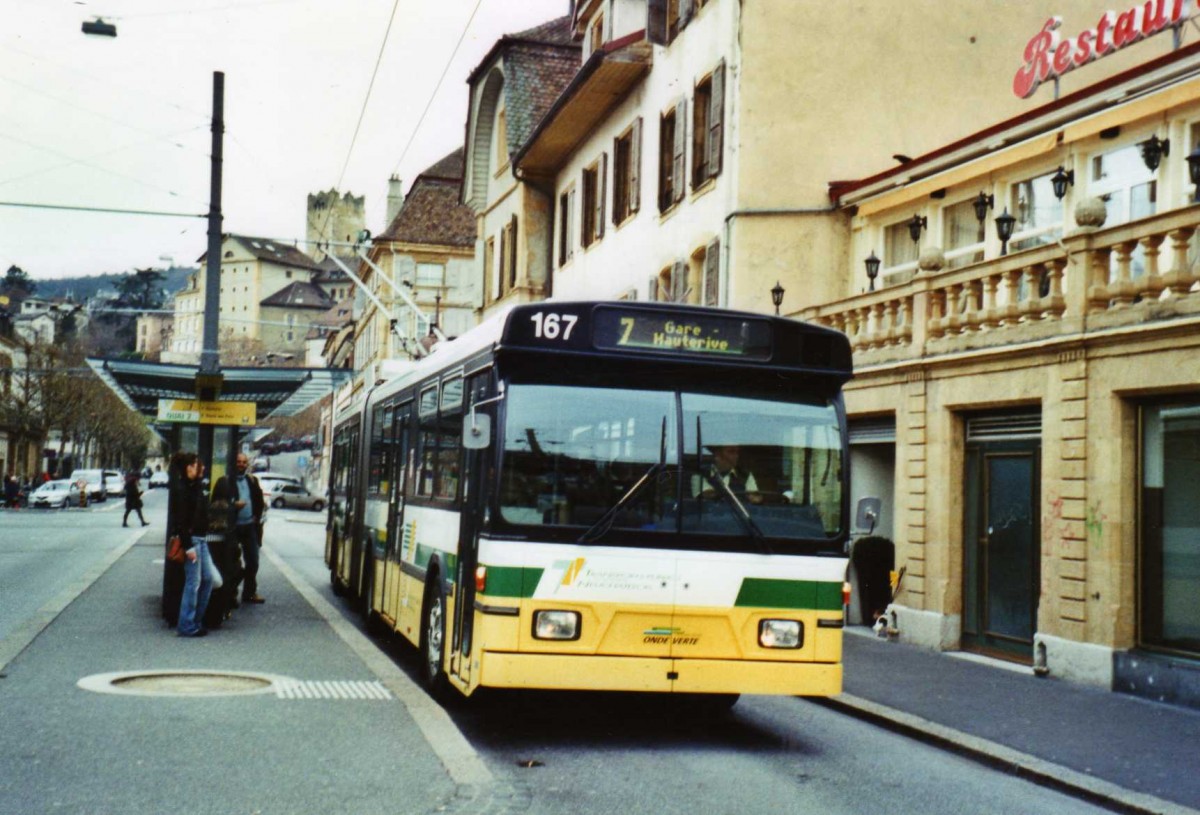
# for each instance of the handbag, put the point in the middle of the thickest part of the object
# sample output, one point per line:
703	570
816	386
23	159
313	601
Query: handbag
175	550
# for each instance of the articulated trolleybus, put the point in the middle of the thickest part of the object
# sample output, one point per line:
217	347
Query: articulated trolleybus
608	496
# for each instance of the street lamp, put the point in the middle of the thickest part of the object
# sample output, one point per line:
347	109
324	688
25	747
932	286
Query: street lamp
1004	229
1061	180
1193	161
1153	150
915	225
982	203
872	264
777	297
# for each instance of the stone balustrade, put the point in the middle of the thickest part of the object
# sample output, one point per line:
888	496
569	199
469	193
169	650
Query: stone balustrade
1094	278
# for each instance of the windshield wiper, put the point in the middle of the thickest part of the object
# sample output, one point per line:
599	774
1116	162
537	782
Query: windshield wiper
601	527
740	511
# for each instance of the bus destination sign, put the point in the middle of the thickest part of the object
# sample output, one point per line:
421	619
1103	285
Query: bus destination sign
687	333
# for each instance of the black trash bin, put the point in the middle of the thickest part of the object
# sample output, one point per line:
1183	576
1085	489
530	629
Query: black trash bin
874	558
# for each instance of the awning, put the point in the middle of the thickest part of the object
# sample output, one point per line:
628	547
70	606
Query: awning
276	392
605	79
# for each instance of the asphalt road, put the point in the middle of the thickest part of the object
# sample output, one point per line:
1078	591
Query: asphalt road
543	753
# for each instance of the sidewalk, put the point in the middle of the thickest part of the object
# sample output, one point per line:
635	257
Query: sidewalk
286	709
1125	752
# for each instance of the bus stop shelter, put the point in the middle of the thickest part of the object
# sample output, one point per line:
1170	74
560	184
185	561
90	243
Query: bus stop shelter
211	413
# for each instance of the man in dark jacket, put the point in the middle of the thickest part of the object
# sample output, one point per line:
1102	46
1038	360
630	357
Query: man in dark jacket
245	498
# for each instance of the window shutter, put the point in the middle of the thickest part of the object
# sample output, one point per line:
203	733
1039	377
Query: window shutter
635	166
652	289
656	21
685	12
712	273
678	166
512	248
678	281
503	271
601	192
716	109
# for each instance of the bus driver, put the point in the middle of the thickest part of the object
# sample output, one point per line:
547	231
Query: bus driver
726	466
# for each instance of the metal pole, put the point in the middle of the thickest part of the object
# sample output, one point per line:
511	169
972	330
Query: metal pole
209	359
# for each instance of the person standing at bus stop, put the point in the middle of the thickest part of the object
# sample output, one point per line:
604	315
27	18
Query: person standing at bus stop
246	497
189	520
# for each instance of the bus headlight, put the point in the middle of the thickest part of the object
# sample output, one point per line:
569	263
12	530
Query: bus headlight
556	625
780	634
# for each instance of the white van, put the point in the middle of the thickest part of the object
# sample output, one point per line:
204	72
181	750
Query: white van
96	488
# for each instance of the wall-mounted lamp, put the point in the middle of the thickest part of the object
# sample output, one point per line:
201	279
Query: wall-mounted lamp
1153	150
1061	180
777	297
1193	161
872	264
1004	229
915	225
982	203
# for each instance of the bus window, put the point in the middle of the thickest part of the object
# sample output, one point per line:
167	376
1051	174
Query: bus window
571	453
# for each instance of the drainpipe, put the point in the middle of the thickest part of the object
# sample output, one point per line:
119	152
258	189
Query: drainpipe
727	237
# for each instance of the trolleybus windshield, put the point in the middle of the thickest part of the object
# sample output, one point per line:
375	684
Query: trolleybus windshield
614	466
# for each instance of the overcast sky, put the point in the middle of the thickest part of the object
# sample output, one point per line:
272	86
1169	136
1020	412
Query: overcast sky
124	123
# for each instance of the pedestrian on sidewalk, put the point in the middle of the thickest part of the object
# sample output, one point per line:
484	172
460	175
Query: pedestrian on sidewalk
12	492
190	521
133	498
246	497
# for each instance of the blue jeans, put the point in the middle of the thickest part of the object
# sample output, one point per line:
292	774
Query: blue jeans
197	586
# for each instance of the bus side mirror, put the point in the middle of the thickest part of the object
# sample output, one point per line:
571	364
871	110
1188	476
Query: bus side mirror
477	431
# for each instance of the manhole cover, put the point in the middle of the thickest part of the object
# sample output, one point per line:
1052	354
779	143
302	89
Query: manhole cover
181	683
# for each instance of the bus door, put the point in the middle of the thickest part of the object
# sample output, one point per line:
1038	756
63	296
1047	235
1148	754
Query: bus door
471	502
392	590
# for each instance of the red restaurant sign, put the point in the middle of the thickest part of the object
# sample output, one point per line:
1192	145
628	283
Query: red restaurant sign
1048	56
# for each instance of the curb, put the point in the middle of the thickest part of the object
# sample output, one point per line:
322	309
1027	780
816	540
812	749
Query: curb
1046	773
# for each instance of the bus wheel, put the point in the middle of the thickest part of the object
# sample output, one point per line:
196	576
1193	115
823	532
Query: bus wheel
338	589
433	637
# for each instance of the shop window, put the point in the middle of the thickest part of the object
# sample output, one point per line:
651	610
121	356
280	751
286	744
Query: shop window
1170	519
899	249
963	234
627	159
1039	214
1127	187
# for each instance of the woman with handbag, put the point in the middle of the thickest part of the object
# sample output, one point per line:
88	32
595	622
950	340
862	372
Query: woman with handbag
190	521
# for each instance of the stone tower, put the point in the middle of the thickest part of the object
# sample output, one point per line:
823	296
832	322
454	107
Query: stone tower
334	217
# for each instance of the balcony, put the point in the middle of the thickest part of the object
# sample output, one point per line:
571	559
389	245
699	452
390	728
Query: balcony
1137	277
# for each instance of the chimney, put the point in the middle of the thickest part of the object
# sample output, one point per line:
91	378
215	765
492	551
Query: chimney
395	199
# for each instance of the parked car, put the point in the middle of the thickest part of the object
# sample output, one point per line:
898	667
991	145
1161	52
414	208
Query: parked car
114	483
159	479
55	495
96	488
271	482
296	497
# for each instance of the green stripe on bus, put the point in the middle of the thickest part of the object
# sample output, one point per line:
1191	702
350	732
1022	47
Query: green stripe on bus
807	594
512	581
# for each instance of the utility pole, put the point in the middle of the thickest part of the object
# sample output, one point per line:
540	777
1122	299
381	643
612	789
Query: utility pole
209	360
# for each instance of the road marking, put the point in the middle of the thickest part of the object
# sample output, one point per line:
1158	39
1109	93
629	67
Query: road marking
23	634
332	689
447	742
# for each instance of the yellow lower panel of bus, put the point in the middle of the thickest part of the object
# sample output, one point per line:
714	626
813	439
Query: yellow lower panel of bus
557	672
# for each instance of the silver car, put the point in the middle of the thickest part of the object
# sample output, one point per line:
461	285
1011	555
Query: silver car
296	497
55	495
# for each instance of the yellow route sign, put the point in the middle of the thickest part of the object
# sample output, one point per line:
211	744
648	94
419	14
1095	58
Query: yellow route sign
193	411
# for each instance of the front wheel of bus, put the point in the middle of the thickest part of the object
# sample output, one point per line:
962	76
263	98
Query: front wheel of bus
433	638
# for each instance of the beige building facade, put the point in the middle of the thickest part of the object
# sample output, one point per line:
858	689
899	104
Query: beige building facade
1026	404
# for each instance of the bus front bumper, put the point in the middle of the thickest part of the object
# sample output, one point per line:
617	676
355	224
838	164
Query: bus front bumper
643	674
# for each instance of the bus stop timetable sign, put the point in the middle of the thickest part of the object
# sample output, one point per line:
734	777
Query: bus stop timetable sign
194	411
